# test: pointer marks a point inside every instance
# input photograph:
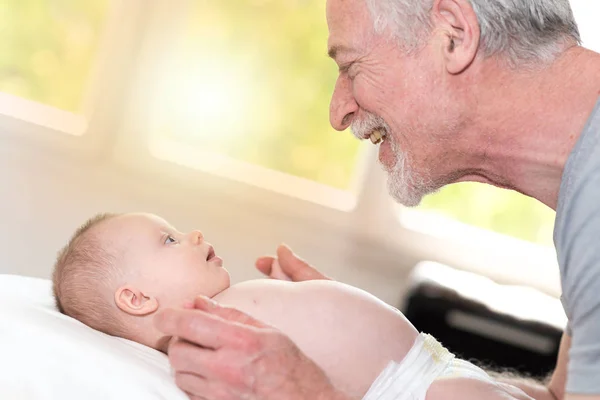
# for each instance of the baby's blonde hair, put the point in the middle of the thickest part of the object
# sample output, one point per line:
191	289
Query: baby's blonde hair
83	270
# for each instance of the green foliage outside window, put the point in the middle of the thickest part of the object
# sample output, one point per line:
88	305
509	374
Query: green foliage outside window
48	47
499	210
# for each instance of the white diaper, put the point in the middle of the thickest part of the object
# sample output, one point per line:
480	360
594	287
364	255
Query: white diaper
426	362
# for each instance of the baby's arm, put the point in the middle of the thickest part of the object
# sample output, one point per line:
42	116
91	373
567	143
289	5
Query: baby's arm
473	389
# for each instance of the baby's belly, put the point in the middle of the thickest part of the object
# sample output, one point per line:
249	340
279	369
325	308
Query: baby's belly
351	334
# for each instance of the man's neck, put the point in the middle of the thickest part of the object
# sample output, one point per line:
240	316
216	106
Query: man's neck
530	122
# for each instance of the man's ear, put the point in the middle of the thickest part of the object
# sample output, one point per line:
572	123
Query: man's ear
132	301
457	22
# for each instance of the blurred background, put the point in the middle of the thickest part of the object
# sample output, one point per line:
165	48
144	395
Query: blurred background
214	115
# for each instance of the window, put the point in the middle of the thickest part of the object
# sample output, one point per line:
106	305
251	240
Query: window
251	81
488	207
47	50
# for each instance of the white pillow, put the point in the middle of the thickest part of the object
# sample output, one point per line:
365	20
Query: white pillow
47	355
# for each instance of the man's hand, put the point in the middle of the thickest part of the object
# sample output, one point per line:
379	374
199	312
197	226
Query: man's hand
221	353
287	266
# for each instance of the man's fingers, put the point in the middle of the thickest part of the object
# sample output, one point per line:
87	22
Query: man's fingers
291	267
200	327
269	266
192	397
277	272
264	264
227	313
188	358
295	267
199	388
193	385
220	368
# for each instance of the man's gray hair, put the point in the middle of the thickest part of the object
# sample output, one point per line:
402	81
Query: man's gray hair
523	31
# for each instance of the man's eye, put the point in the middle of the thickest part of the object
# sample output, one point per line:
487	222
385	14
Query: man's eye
349	70
344	68
170	240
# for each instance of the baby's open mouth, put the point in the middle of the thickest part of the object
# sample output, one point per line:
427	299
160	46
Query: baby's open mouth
211	254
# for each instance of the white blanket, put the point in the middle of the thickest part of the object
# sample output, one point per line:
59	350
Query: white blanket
46	355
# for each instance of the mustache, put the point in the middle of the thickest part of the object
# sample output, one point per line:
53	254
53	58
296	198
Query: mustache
361	127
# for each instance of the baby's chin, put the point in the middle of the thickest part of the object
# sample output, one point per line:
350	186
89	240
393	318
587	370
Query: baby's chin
226	284
220	291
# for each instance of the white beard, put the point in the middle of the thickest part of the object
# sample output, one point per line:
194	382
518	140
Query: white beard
403	184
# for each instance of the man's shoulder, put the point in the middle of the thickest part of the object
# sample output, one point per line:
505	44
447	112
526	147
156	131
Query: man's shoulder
577	224
579	188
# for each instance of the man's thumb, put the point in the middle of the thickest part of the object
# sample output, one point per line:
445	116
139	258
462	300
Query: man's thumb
295	267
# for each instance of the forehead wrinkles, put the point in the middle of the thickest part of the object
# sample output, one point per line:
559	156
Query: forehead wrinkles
349	23
346	11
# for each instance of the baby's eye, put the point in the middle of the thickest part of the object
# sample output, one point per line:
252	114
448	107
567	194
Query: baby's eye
170	240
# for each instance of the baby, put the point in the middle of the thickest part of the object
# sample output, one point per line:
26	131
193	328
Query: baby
119	270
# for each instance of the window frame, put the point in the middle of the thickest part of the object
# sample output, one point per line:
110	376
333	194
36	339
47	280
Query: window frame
85	135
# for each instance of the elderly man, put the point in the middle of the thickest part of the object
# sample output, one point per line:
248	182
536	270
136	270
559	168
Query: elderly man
492	91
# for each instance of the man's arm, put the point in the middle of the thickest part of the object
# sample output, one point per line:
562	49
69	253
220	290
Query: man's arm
554	389
558	382
533	388
473	389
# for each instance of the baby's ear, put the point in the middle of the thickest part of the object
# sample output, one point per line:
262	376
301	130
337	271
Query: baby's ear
132	301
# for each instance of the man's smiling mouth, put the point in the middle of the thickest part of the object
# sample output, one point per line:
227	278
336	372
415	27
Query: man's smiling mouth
377	136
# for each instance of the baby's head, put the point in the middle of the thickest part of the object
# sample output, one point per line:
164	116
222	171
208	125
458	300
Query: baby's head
118	270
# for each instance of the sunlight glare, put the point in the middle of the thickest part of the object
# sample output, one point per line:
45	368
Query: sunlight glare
213	99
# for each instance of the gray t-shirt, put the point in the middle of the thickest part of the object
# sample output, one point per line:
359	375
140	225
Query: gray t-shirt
577	241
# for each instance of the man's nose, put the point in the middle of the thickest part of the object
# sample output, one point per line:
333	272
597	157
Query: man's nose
343	106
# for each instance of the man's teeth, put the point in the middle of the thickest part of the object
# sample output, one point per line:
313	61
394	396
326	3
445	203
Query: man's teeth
376	137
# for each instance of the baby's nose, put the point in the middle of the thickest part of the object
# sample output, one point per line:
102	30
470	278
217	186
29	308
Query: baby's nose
196	237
